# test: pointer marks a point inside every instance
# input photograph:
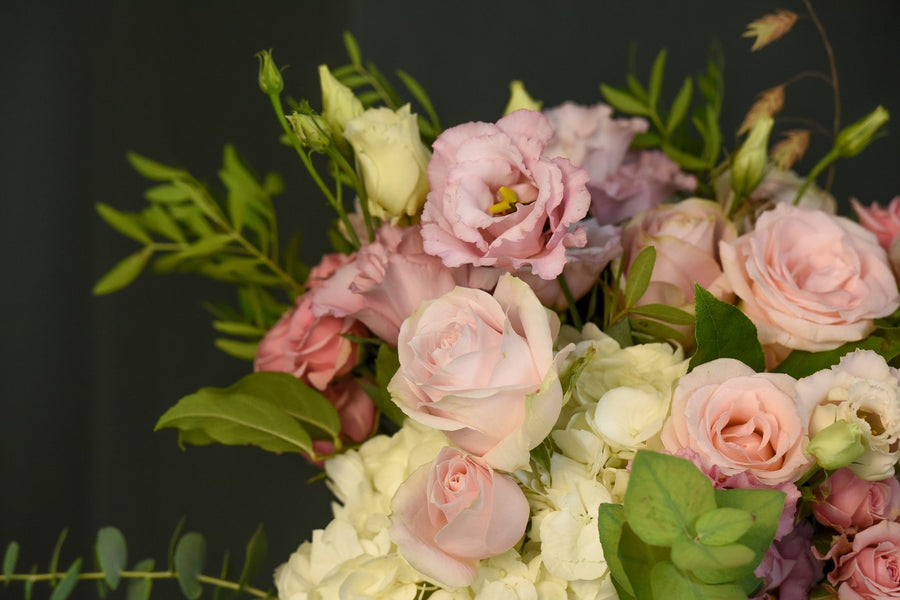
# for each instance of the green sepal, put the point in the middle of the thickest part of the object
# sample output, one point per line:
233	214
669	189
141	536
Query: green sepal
723	331
112	554
190	555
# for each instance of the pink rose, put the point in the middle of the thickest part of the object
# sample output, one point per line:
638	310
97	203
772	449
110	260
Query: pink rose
871	570
583	266
847	503
388	279
790	567
883	222
454	512
739	420
481	368
645	179
809	280
356	411
310	347
495	200
686	237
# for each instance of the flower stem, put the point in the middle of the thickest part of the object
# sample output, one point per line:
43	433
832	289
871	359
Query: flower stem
570	300
835	87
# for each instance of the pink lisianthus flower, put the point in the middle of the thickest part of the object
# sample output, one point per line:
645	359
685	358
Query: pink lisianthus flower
356	411
312	348
388	278
497	201
327	267
790	567
883	222
848	504
871	568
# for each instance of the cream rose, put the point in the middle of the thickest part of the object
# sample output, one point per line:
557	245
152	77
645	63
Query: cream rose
809	280
482	369
739	421
392	159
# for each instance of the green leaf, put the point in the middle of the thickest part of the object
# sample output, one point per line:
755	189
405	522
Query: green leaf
124	272
638	278
236	349
656	78
685	160
190	554
655	329
29	585
9	561
386	365
610	521
722	526
639	558
220	593
139	589
665	496
154	170
206	246
679	106
419	94
723	331
67	583
167	193
352	49
621	332
112	554
637	90
688	555
624	102
238	328
254	558
800	363
665	313
158	219
54	558
173	541
124	223
648	139
669	583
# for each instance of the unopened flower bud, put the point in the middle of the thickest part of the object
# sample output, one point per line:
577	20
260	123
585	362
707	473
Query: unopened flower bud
520	98
312	130
749	163
837	445
339	104
270	81
854	138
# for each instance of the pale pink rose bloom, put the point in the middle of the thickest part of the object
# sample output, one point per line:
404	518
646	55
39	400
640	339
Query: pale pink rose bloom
583	265
739	420
481	368
388	279
847	503
883	222
809	280
871	570
686	237
644	180
452	513
790	567
473	166
310	347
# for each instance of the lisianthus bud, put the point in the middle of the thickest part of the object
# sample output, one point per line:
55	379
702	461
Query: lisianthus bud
520	98
749	164
270	81
312	130
854	138
339	104
837	445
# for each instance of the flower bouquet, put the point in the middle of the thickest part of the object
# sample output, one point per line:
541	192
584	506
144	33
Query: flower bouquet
574	352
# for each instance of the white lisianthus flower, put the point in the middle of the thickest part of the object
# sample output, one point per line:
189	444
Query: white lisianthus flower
863	390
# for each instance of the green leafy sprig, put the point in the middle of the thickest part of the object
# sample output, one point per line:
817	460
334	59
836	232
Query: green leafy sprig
186	562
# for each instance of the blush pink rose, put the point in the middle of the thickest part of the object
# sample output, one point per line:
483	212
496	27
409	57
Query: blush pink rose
739	420
848	504
478	169
809	280
454	512
790	567
883	222
388	278
312	348
871	570
686	237
356	411
481	368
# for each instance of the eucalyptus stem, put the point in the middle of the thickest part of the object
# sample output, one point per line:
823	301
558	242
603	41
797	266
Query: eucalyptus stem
835	86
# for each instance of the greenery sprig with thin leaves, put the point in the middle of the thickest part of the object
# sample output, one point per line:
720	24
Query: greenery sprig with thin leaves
186	563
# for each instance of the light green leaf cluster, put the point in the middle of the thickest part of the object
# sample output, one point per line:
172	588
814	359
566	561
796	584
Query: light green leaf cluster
677	538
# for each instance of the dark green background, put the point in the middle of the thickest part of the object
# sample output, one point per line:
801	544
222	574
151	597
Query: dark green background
84	379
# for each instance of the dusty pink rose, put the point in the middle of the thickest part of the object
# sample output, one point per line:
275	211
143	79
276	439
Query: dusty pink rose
388	279
497	201
871	570
686	237
310	347
355	409
583	266
739	420
454	512
645	179
481	368
790	567
809	280
847	503
883	222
